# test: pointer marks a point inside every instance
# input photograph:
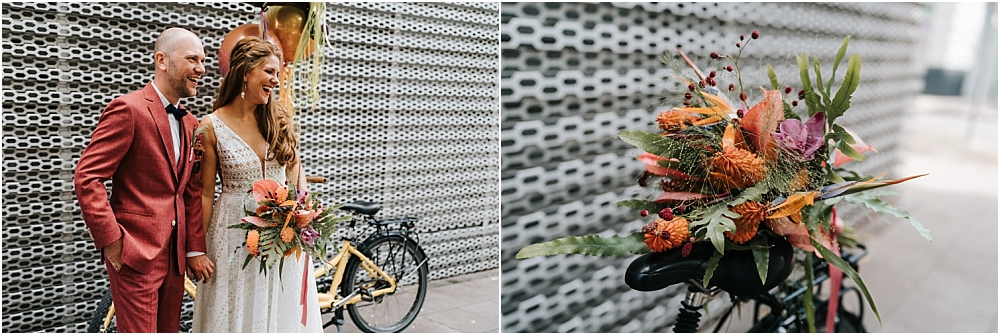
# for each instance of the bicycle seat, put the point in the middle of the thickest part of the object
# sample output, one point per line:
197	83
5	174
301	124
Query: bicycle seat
736	273
363	207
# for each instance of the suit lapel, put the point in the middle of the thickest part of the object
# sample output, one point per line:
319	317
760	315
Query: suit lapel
184	163
159	114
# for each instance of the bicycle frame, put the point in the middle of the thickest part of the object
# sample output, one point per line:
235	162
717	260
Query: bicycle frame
329	300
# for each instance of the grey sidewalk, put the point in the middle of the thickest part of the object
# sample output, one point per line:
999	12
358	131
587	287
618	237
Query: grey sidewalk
467	303
950	284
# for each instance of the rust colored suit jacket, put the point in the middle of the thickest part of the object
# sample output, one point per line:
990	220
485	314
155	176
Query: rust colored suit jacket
150	195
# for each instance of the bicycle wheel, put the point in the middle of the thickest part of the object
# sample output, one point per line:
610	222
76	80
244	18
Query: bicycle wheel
392	312
101	315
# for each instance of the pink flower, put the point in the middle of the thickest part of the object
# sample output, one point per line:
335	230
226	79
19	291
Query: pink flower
304	217
800	141
308	235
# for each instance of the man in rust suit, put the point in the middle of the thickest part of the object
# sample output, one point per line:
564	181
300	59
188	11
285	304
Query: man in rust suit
150	231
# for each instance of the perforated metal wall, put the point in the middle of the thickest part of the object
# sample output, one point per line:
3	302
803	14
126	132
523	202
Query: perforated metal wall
573	75
408	117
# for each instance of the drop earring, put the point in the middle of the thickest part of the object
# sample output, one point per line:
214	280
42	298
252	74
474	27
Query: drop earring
243	94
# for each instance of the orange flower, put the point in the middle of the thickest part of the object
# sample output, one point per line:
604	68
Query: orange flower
752	214
735	168
253	238
662	235
801	181
287	234
674	120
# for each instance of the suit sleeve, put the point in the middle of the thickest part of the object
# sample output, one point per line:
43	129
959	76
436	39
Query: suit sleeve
98	163
195	240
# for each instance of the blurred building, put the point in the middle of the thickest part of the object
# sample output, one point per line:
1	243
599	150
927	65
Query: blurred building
574	74
407	117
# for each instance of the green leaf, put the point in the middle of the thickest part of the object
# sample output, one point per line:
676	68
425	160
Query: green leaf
593	245
761	255
846	149
808	300
871	200
247	261
819	81
773	76
842	101
717	219
832	258
789	113
836	62
663	147
713	263
640	204
810	97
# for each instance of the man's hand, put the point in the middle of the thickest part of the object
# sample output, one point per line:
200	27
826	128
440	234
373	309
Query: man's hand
200	268
113	254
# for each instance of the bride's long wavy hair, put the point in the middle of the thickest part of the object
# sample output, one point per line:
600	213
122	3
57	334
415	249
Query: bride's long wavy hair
273	122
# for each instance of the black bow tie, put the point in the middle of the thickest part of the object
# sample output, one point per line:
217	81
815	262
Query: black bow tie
177	112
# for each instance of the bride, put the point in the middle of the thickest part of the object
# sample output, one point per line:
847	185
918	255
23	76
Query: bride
249	138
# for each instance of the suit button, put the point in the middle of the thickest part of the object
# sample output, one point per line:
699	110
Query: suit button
173	223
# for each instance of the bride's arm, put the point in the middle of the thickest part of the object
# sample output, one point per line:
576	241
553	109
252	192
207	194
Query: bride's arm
209	169
296	174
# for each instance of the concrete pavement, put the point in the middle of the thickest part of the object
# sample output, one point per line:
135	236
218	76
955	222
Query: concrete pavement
950	284
467	303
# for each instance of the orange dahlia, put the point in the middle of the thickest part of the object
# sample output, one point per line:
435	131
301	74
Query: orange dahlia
674	120
662	235
253	238
746	226
735	168
287	234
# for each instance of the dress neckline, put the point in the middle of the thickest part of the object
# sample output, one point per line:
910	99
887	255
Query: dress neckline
260	159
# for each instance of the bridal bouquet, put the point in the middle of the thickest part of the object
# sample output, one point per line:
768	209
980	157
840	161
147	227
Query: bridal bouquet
730	175
286	222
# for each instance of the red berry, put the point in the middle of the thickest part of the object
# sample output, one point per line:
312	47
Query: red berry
643	213
711	82
737	44
755	34
701	83
711	74
714	55
729	68
665	235
741	37
681	209
686	249
649	227
688	95
788	89
743	96
795	103
666	214
739	113
732	87
691	87
642	178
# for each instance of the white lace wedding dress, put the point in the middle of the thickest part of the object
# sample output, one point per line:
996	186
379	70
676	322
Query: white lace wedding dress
239	300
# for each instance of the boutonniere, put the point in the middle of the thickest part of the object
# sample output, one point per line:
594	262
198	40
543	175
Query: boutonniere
197	148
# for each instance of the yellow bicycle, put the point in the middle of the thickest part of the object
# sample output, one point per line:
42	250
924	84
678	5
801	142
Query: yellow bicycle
382	282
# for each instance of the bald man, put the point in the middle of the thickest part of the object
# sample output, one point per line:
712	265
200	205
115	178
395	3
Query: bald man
149	231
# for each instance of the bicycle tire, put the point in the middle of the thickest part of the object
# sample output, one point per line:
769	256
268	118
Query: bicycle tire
396	256
96	324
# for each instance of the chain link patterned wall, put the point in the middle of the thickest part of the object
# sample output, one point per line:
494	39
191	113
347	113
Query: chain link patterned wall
408	117
573	75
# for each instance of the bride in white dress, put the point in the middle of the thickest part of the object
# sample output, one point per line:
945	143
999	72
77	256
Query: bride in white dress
248	138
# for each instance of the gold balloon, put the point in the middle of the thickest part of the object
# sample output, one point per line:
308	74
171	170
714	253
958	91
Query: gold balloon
287	22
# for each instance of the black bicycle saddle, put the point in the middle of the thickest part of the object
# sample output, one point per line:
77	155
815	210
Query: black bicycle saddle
736	273
363	207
